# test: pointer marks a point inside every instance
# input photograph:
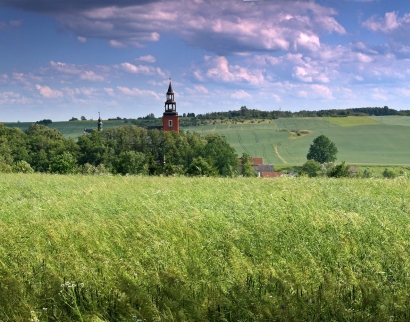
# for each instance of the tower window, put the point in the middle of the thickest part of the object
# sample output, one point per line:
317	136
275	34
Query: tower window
170	123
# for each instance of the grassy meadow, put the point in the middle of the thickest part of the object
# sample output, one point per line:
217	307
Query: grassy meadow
111	248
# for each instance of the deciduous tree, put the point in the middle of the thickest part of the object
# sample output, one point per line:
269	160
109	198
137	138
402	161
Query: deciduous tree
322	150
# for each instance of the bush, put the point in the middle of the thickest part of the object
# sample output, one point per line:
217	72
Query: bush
311	168
4	166
340	171
22	167
89	169
388	174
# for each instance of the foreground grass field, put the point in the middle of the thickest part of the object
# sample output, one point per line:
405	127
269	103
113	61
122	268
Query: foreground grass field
89	248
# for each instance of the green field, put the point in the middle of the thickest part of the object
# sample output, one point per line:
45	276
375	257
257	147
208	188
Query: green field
111	248
71	129
360	140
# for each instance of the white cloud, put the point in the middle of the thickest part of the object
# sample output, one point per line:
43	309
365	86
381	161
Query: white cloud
137	92
388	24
322	91
47	92
82	39
91	76
116	44
230	26
240	94
218	69
13	98
379	95
142	69
147	59
109	91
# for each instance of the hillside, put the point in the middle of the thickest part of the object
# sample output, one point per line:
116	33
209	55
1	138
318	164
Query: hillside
368	140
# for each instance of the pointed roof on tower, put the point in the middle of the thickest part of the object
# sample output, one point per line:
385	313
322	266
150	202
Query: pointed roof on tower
170	91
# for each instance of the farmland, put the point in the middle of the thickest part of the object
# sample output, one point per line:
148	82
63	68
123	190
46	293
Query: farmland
382	140
360	140
105	248
71	129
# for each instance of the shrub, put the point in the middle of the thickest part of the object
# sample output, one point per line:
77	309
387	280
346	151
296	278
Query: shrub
389	174
22	167
311	168
340	171
326	167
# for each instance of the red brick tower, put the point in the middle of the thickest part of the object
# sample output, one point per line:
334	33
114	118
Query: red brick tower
170	118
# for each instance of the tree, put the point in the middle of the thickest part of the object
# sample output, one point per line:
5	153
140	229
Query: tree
199	167
73	119
45	122
219	154
311	167
131	162
63	164
322	150
83	118
247	166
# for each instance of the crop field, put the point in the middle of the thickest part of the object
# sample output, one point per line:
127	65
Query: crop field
393	120
71	129
360	140
352	120
111	248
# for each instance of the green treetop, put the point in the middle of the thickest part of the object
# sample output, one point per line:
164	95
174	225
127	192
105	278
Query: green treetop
322	150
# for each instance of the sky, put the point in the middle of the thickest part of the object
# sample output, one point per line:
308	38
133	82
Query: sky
71	58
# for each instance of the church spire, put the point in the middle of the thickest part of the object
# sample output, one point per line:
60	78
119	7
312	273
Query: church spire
170	104
99	122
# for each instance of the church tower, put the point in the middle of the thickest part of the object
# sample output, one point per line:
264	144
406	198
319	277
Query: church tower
99	122
170	118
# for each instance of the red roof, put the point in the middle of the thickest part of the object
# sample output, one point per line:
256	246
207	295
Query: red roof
271	174
257	161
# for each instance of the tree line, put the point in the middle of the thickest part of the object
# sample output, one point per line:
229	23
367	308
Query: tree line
245	114
126	149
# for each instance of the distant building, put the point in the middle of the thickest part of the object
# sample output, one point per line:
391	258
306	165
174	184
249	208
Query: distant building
170	118
263	170
100	123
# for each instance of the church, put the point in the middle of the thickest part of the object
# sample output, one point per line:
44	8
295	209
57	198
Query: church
170	118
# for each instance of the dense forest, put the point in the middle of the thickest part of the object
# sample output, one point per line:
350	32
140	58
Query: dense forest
126	149
243	114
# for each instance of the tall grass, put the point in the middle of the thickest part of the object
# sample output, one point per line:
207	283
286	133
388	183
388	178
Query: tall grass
79	248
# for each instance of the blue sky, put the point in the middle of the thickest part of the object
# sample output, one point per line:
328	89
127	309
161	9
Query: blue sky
65	58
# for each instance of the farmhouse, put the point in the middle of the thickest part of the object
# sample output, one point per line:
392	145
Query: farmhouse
263	170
